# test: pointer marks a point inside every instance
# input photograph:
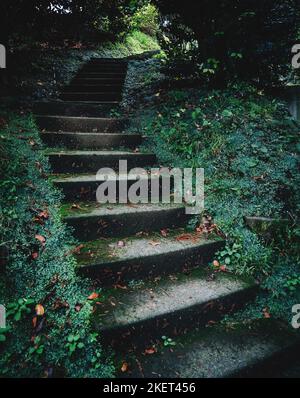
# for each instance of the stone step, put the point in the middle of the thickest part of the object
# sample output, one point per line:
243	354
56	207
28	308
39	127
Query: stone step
89	88
148	253
219	353
83	187
92	161
80	124
75	140
97	80
92	96
270	229
102	75
145	310
108	220
90	67
112	104
67	108
103	70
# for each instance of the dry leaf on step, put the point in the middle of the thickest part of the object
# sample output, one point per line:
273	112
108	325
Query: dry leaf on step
153	243
39	310
93	296
124	367
150	351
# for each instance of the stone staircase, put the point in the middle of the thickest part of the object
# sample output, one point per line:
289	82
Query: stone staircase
153	273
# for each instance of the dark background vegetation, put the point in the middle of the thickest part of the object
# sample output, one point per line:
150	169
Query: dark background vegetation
244	38
215	40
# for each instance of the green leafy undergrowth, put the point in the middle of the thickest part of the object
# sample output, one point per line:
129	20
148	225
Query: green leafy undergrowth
248	146
48	307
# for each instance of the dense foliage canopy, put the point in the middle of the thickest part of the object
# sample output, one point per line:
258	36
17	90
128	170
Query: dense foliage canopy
62	19
248	38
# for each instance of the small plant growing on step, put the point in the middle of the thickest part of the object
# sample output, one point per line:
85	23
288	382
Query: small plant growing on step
3	333
293	283
74	343
230	255
115	113
168	342
19	308
37	348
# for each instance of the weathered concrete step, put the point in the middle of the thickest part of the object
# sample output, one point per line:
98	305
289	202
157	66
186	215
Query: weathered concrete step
270	229
101	75
92	161
75	140
67	108
147	254
181	303
220	353
93	88
80	124
92	96
84	187
106	73
97	80
112	104
104	70
109	220
91	67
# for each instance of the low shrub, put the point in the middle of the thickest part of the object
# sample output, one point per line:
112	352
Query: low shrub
48	330
248	145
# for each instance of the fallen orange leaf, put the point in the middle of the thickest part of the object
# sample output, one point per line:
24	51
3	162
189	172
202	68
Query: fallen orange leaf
118	286
44	214
34	321
39	309
185	237
41	239
75	206
124	367
152	243
77	249
150	351
93	296
266	313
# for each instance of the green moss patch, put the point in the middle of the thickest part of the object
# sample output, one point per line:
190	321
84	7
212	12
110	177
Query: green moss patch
48	311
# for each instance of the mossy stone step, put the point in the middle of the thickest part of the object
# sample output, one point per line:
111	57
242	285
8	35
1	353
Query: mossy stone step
271	229
92	161
220	353
98	221
178	302
80	124
92	96
109	75
75	140
148	253
83	187
67	108
98	80
89	88
104	67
